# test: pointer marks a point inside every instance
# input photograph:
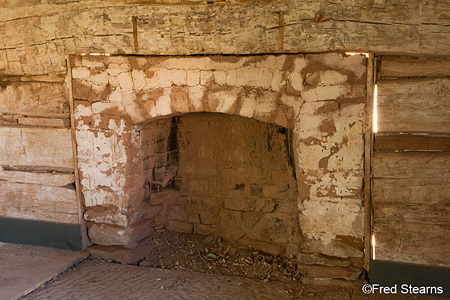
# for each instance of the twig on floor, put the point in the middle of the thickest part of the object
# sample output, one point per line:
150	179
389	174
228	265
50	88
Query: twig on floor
199	254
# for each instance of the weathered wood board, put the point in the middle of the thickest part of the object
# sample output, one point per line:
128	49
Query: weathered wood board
394	66
34	99
44	122
51	30
416	243
38	202
420	167
407	178
411	204
414	105
42	147
424	213
47	178
395	142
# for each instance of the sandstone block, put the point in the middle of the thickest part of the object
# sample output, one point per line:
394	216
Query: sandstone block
106	215
194	218
128	237
343	247
80	72
193	78
206	229
317	259
120	253
257	205
209	216
179	226
324	272
326	77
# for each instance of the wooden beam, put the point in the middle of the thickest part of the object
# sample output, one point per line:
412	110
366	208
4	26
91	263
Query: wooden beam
38	202
402	142
36	146
418	243
50	179
43	122
412	177
414	105
34	99
394	66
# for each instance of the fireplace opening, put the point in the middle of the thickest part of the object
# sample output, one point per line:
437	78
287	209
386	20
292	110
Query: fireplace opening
226	175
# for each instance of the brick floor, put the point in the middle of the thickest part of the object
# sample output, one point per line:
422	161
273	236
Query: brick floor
100	280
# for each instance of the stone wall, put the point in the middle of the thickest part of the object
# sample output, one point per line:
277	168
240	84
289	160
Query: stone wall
237	182
320	97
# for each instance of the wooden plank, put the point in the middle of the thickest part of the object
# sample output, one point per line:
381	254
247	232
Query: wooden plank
411	178
407	191
38	202
50	78
419	167
41	147
416	243
44	122
34	99
394	66
429	213
51	179
398	142
414	105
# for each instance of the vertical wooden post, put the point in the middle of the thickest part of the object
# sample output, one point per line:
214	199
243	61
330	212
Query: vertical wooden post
368	151
80	205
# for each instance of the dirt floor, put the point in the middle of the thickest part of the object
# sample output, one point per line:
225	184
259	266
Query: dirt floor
190	266
212	255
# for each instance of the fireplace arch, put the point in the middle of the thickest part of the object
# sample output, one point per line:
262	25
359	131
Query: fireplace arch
320	98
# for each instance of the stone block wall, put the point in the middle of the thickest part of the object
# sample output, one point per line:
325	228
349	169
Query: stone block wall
160	154
237	181
321	98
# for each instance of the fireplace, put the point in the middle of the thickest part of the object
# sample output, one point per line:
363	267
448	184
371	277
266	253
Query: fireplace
233	176
263	150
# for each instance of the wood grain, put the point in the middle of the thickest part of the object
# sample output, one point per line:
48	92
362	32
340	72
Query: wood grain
34	99
414	105
38	202
398	142
40	147
47	178
394	66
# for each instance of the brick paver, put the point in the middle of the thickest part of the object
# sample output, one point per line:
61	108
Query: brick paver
100	280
